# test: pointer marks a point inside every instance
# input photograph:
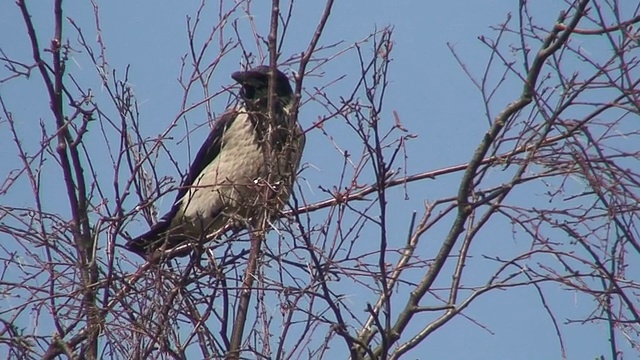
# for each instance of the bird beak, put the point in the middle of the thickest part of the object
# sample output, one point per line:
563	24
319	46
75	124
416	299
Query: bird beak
252	78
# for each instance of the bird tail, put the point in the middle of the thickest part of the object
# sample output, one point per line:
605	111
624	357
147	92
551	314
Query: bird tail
149	242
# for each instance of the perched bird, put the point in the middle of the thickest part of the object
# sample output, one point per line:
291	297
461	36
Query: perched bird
247	164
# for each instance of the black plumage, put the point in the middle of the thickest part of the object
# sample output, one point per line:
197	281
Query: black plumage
225	184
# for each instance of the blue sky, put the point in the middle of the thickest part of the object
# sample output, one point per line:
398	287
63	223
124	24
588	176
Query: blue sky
432	95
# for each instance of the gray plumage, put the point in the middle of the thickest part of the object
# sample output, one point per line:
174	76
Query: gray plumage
226	182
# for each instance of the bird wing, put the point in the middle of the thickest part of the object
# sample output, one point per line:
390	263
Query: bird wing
209	150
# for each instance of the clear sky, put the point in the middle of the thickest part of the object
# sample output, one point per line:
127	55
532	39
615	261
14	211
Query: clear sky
428	89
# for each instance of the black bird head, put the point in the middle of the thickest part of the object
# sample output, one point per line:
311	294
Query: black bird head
255	86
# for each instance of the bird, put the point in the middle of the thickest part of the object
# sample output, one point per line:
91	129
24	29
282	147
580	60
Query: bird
226	183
